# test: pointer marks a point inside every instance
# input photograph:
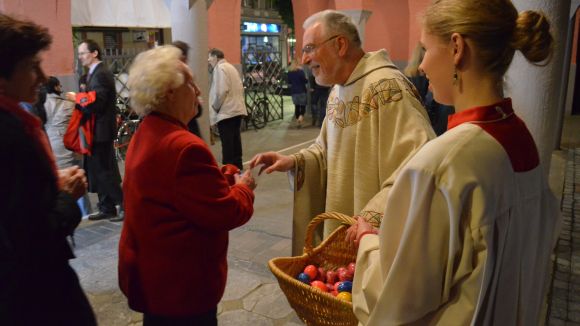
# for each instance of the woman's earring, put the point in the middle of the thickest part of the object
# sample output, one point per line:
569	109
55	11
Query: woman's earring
455	77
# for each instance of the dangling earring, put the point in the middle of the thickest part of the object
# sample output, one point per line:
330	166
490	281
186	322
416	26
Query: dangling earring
455	76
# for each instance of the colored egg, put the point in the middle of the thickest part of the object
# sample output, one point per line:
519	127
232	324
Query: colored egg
330	287
330	277
321	274
311	271
346	296
304	278
351	268
319	285
345	286
344	275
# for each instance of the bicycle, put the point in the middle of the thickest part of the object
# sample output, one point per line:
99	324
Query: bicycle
127	124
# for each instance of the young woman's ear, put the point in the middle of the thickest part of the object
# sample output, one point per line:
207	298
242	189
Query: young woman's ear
459	49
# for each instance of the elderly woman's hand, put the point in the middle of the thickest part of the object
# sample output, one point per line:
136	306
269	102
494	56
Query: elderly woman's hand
246	179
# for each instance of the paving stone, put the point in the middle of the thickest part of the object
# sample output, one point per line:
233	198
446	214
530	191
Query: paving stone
243	317
556	322
240	284
268	300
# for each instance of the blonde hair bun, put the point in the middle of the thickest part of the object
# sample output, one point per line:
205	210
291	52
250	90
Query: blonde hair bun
532	36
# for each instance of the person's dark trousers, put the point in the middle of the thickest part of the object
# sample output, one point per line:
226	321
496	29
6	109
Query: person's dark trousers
193	126
322	101
104	177
206	319
299	110
231	141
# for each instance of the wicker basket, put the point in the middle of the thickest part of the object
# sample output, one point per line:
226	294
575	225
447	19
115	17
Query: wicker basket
313	306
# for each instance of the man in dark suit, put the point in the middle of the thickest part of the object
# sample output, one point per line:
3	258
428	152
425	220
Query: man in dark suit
101	166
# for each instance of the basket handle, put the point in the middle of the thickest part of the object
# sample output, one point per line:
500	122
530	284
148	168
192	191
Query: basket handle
345	219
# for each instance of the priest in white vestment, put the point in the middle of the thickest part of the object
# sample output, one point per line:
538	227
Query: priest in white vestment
375	121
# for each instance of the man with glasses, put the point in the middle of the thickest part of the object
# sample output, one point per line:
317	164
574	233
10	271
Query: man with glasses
374	123
101	165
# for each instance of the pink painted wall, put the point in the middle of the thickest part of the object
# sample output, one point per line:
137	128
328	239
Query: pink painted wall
388	27
302	10
393	24
56	16
224	19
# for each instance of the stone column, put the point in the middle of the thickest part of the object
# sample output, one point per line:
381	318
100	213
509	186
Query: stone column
360	18
189	24
536	90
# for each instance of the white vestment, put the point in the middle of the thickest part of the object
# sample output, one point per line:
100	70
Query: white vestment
374	123
466	238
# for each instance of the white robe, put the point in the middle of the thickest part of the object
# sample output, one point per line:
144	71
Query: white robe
464	239
374	123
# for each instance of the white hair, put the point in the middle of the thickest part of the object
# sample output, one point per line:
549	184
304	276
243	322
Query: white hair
335	22
151	75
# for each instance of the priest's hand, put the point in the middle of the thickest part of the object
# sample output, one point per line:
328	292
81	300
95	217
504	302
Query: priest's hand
273	162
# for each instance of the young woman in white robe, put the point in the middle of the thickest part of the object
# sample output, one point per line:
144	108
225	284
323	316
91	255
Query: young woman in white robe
470	221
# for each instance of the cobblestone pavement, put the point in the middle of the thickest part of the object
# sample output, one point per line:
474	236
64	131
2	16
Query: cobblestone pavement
564	297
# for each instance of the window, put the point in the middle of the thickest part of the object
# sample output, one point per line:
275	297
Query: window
249	3
271	5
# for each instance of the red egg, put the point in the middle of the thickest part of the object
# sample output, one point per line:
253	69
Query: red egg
319	285
311	271
330	287
321	274
336	286
331	277
334	293
351	267
344	275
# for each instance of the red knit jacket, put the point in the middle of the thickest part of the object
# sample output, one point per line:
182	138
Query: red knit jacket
178	211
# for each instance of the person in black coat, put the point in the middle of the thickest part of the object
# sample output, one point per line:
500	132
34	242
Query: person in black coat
437	112
101	165
37	202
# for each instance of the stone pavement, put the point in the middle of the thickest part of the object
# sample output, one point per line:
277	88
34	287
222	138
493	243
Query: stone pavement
564	297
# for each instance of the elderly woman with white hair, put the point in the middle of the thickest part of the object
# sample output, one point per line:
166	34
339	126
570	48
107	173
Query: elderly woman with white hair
179	206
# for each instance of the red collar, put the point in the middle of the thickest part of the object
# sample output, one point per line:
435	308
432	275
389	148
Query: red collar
482	114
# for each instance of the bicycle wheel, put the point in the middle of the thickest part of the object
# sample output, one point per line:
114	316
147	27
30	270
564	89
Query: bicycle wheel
124	135
260	114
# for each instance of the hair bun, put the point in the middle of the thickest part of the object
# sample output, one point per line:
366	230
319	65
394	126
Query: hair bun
532	36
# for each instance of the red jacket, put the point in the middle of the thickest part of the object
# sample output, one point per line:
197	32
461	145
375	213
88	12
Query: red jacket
178	211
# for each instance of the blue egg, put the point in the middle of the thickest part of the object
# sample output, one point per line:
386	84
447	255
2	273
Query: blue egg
304	278
345	286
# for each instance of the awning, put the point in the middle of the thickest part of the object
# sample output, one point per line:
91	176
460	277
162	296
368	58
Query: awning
121	13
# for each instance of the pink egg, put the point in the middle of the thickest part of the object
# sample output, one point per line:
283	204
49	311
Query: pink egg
351	267
331	277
